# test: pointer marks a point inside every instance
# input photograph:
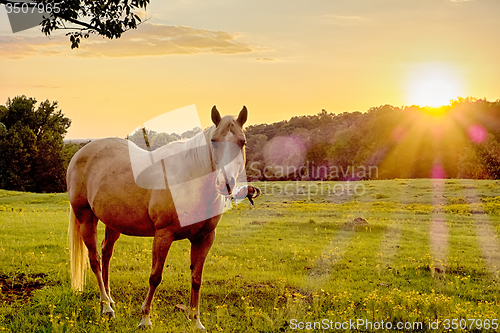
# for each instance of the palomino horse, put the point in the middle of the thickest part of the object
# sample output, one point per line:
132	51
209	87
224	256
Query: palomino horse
101	186
248	191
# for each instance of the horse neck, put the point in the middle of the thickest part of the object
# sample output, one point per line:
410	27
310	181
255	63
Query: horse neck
198	150
194	153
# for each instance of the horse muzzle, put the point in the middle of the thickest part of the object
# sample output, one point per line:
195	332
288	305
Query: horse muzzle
224	185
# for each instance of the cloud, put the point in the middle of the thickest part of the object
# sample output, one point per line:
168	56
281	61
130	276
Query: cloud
342	19
265	59
46	86
143	14
16	47
148	40
347	17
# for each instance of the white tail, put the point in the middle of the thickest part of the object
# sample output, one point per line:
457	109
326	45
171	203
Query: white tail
78	252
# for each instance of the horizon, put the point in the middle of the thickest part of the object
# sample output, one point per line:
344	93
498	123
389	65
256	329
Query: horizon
433	110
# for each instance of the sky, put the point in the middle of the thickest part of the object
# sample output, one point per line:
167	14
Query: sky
279	58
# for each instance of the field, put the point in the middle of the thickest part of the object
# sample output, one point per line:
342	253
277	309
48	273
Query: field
429	254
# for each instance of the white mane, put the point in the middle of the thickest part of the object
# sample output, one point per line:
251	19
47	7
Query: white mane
182	160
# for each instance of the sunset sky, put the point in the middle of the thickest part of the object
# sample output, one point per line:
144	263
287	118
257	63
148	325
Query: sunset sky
279	58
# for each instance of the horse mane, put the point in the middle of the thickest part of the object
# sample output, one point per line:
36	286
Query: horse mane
200	156
191	148
194	153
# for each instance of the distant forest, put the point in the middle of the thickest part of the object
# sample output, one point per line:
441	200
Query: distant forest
158	139
460	140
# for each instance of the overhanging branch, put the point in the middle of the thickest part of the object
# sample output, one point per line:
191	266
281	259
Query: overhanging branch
109	19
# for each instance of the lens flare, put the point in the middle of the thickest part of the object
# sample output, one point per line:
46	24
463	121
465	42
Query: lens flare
477	133
433	85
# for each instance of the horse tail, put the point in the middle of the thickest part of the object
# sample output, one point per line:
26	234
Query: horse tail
257	192
78	252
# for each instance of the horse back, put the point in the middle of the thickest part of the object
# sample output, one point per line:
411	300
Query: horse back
100	177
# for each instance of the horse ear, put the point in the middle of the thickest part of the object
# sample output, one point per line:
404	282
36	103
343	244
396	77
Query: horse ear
215	116
242	117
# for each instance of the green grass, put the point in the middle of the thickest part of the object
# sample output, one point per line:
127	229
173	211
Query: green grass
289	258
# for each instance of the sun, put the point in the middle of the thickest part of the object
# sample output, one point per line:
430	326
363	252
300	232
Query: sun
433	85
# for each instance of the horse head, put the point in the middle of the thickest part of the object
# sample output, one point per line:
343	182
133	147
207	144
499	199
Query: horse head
228	149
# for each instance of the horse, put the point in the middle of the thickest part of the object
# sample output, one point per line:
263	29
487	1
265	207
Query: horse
247	191
194	181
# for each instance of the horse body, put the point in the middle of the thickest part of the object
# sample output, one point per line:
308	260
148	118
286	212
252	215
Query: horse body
102	186
101	179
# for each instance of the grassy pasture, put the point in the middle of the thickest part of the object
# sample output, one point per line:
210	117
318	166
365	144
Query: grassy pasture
430	252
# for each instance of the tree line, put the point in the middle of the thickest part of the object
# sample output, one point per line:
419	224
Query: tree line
155	140
460	140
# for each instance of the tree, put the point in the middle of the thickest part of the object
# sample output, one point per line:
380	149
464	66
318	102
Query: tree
161	139
158	139
138	138
487	154
107	18
255	156
3	129
190	133
31	148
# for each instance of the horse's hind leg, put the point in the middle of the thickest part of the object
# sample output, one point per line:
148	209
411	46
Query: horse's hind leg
110	237
88	228
161	244
199	252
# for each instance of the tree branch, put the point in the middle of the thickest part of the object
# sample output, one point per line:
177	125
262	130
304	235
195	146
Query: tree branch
88	26
109	19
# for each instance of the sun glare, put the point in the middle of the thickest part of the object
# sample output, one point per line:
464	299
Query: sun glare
433	85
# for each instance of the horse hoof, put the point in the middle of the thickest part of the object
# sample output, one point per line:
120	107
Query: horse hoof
107	310
145	323
199	327
110	314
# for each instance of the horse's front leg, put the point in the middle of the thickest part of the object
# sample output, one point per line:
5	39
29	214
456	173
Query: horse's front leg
199	252
161	244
